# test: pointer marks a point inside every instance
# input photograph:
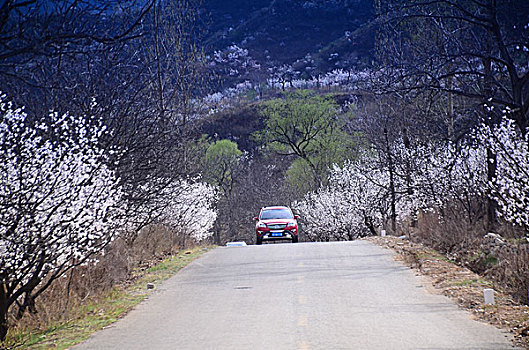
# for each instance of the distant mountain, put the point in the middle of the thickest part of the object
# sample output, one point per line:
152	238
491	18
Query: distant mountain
312	37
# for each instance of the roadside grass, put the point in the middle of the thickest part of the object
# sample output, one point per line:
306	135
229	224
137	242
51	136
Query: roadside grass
473	281
96	314
431	255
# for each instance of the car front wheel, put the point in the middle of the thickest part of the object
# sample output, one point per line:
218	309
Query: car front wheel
259	240
294	239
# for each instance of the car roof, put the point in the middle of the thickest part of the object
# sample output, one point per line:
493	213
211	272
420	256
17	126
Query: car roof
275	207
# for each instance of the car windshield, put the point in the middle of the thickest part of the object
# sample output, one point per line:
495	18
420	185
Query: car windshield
276	214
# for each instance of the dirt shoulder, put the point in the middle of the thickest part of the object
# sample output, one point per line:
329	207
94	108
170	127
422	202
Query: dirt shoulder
463	286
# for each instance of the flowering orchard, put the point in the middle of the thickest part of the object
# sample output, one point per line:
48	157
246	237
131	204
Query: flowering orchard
61	202
58	201
284	77
510	187
191	209
362	195
349	207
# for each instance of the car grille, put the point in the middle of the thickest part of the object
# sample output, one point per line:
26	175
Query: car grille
277	226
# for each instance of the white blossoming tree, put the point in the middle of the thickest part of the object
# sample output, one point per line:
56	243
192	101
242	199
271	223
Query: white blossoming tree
351	206
58	202
510	188
359	197
191	209
446	174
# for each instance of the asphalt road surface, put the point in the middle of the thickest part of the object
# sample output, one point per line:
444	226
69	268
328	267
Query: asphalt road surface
343	295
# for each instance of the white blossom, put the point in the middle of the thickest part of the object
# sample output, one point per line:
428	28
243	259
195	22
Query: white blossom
58	199
350	206
510	188
191	208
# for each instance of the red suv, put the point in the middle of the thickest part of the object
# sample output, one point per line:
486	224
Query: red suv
276	223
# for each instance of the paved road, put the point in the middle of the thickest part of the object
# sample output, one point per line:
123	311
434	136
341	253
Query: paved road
344	295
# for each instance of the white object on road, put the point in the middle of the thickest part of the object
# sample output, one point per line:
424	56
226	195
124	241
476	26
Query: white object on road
383	233
236	244
488	294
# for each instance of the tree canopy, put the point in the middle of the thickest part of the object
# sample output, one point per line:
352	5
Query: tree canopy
307	126
222	158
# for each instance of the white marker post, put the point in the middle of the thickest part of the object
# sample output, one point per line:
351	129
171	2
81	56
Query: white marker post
382	233
488	294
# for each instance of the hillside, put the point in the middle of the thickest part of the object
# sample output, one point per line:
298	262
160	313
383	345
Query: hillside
313	35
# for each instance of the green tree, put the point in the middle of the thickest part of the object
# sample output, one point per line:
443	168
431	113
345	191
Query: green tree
222	163
222	158
306	125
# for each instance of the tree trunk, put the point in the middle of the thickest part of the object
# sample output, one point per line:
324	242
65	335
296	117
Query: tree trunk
492	205
392	191
450	112
369	223
3	310
217	232
3	325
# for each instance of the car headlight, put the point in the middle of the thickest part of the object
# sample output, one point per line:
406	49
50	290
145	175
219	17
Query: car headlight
291	224
261	225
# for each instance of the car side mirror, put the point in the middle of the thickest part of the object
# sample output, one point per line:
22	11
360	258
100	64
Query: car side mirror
297	217
256	219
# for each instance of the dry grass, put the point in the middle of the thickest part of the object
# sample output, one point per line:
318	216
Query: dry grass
90	297
462	239
511	269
